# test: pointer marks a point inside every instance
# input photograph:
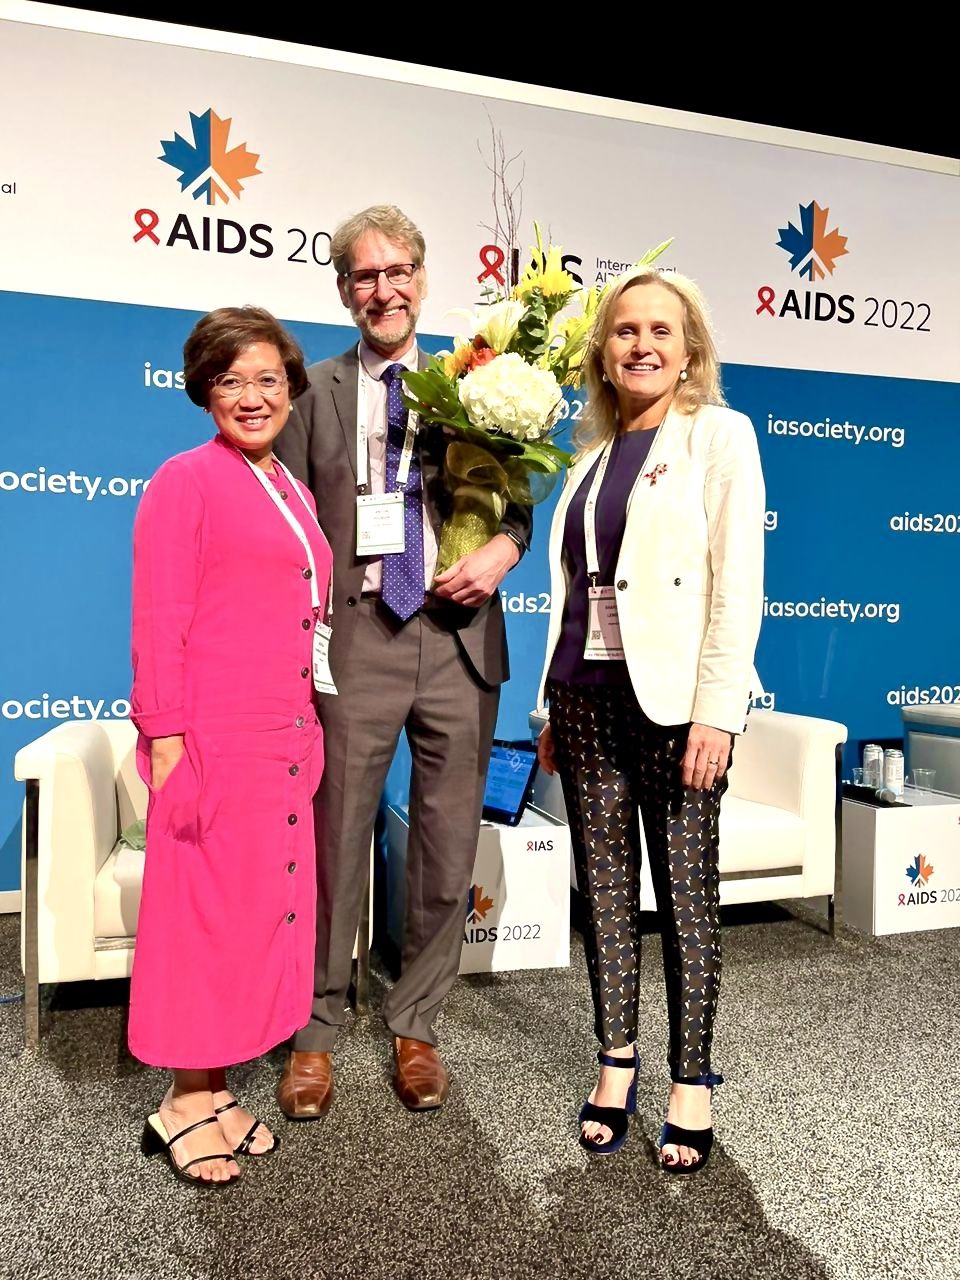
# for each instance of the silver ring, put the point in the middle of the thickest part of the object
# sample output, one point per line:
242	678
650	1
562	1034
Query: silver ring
713	762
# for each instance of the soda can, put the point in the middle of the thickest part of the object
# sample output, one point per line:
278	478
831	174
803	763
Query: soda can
893	770
873	766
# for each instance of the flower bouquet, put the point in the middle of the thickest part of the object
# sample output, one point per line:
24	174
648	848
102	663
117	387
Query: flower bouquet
499	394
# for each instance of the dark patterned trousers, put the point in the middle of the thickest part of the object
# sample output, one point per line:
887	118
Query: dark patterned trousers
617	769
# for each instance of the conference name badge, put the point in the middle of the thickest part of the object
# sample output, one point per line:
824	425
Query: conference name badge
603	626
322	677
379	524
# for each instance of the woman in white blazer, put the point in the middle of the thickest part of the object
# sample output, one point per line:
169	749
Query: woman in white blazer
656	570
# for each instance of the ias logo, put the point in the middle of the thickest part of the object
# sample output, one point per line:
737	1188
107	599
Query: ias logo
208	169
812	248
478	906
919	871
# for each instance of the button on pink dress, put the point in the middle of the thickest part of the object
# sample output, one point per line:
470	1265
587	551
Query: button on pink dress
222	639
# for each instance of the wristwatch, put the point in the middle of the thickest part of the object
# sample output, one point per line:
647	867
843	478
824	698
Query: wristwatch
516	540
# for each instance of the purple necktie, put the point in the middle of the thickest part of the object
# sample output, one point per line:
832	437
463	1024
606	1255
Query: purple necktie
403	585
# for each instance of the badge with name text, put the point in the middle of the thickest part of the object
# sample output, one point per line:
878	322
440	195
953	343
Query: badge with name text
322	677
379	524
603	626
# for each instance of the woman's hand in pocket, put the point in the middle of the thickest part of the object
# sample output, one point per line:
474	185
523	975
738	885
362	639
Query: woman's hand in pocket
165	754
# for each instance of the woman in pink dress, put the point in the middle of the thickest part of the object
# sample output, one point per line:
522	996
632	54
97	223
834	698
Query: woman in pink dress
230	596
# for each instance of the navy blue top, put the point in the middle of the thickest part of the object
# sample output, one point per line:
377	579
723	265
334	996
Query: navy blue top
627	458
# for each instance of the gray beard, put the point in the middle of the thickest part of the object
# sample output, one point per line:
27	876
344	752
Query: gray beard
394	341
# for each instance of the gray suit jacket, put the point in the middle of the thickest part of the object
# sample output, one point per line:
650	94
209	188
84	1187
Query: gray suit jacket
319	445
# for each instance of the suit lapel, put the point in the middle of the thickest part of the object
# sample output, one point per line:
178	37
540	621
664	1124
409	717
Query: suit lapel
667	446
575	478
344	390
343	387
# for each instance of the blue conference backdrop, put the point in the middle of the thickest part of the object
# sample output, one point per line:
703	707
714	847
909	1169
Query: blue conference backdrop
862	524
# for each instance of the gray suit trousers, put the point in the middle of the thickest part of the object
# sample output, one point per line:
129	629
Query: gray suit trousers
408	677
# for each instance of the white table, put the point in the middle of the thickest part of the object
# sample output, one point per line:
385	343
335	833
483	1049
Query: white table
518	915
901	866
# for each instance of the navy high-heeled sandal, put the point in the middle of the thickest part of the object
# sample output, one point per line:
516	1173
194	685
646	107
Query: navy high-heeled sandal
616	1119
700	1139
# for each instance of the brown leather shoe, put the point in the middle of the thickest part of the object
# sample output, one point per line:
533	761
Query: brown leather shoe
305	1090
419	1077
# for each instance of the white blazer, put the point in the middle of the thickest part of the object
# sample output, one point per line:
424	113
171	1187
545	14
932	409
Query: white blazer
689	576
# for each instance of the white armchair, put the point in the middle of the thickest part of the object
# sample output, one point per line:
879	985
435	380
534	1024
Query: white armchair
80	890
780	817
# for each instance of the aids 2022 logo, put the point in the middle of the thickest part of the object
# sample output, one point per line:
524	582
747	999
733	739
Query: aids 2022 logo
479	906
208	168
211	171
919	873
814	247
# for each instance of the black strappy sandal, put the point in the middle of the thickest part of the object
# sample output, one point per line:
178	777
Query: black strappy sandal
155	1143
243	1146
616	1119
700	1139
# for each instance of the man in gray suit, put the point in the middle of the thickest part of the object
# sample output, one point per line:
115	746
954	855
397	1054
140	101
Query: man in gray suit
410	651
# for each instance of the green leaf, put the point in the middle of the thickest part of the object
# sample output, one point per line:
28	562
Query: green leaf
652	254
533	331
561	456
557	301
433	395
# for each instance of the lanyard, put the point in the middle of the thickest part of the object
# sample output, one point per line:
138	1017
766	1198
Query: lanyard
297	528
589	515
363	429
590	509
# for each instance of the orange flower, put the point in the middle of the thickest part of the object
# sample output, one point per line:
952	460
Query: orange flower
468	357
457	363
481	354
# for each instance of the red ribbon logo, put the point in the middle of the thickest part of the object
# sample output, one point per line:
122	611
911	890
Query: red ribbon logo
146	220
492	259
765	295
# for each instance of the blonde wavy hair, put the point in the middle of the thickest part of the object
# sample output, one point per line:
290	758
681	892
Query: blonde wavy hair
392	223
601	418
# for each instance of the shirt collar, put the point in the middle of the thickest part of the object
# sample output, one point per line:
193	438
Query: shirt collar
376	365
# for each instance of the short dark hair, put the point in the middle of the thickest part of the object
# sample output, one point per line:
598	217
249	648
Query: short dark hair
218	338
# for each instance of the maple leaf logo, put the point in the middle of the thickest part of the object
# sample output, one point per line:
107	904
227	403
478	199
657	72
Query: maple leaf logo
477	904
919	871
812	248
208	170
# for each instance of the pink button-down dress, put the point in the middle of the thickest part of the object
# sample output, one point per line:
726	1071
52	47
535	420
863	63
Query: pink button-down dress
222	643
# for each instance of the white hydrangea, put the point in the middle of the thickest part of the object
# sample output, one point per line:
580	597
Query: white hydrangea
512	396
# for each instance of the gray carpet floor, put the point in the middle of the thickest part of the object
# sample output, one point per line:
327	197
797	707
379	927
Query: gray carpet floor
838	1155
